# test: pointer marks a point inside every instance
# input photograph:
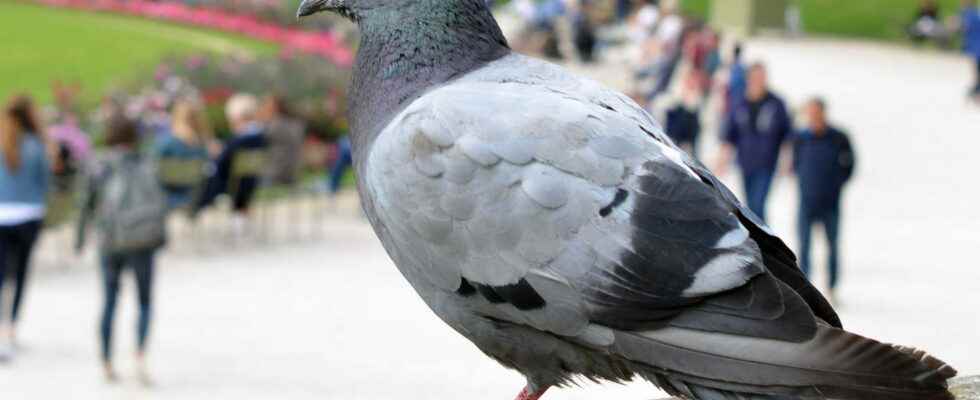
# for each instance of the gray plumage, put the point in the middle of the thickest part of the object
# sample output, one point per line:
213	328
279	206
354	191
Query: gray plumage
550	221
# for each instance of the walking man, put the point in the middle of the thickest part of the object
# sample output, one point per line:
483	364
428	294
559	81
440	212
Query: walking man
823	161
970	26
754	131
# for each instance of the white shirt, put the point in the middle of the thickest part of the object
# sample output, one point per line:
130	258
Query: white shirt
670	28
643	23
18	213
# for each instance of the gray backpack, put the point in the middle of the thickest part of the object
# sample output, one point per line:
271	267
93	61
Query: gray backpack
132	206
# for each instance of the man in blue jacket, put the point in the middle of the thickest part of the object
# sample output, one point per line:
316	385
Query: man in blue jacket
823	161
970	25
755	130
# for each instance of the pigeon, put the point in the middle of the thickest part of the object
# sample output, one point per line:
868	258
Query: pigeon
550	221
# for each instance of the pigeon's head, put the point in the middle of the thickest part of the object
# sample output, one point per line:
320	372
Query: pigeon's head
351	9
310	7
356	10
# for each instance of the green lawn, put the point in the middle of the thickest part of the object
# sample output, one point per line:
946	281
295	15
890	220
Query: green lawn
700	8
873	19
40	44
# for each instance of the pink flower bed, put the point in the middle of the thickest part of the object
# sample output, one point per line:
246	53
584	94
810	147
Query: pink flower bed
324	44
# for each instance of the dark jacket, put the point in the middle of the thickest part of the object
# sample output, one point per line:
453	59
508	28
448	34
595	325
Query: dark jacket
285	148
970	19
823	165
220	181
683	124
758	130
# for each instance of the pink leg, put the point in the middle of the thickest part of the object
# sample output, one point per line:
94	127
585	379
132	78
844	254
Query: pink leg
526	394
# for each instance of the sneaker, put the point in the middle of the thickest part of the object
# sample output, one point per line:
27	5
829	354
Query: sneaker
144	378
142	374
109	373
6	353
239	227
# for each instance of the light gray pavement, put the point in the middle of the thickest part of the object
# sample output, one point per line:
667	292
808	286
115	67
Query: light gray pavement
332	319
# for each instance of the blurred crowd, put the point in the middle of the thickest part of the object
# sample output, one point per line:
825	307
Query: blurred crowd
931	24
693	79
683	74
198	135
664	38
157	155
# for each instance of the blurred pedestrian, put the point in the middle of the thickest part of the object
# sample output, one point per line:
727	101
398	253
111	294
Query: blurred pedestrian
242	113
65	95
74	145
583	32
188	141
540	34
683	119
737	79
344	162
754	132
285	134
663	51
970	26
928	24
623	8
670	27
701	55
642	21
24	180
129	208
823	160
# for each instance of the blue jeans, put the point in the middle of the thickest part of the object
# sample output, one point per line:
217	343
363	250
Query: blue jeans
976	85
178	197
623	9
757	185
344	162
113	264
830	218
16	245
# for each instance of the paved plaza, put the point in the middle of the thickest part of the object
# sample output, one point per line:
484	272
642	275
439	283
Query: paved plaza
332	319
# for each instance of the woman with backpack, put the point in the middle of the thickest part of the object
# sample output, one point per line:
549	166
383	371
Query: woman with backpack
129	208
23	189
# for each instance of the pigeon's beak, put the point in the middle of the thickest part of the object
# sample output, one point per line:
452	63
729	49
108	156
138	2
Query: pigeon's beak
310	7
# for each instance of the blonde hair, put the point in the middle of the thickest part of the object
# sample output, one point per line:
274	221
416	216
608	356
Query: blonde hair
241	107
19	118
190	123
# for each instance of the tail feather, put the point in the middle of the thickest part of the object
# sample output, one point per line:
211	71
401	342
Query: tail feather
833	365
938	367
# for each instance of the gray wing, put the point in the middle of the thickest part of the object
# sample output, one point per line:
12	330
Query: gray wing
561	211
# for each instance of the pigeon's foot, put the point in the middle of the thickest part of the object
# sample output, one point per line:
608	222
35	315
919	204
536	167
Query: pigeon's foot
530	394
